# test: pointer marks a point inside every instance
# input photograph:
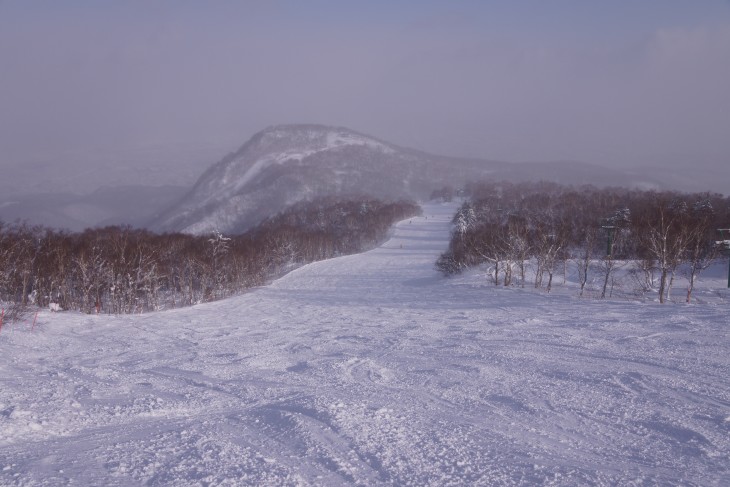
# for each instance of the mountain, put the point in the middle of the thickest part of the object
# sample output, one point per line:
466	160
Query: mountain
285	164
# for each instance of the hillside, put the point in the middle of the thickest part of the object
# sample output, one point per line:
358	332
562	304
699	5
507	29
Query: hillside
372	369
286	164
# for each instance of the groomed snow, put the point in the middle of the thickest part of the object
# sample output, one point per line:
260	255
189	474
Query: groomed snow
372	370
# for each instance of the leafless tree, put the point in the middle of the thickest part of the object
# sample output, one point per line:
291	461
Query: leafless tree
664	236
701	251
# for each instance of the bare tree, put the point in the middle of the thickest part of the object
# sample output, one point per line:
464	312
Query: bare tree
585	254
517	244
701	251
664	236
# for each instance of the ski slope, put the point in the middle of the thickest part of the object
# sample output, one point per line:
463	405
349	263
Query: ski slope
372	369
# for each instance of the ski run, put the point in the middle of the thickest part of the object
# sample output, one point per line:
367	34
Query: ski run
374	369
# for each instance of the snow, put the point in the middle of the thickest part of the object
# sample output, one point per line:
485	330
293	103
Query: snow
223	202
315	141
339	139
373	370
333	140
258	167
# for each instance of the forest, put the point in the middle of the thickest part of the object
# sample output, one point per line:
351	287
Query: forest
119	269
544	226
520	231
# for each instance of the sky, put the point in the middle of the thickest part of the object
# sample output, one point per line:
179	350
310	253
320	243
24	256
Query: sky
617	83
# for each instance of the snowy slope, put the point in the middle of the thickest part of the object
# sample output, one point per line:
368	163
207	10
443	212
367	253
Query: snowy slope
372	370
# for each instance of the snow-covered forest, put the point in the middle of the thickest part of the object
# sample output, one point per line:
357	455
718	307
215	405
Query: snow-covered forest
652	236
125	270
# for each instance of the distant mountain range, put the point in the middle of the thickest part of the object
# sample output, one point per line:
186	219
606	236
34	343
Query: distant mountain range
282	165
133	205
285	164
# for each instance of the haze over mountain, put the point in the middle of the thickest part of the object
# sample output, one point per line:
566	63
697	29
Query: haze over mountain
123	93
109	205
285	164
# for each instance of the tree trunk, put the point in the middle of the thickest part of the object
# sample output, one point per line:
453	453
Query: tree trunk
691	284
550	280
662	285
605	281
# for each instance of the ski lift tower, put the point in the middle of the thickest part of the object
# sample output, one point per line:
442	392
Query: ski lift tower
724	246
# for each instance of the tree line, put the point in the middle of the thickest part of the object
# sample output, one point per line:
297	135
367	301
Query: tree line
119	269
508	226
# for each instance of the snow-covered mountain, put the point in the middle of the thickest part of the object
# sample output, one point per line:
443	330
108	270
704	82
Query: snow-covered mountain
285	164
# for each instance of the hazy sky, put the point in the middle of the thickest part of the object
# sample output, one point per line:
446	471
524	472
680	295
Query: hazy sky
611	82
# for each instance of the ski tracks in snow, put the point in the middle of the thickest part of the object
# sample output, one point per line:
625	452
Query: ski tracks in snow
372	370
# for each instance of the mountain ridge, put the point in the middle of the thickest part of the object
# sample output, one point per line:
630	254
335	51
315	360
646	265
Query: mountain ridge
284	164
